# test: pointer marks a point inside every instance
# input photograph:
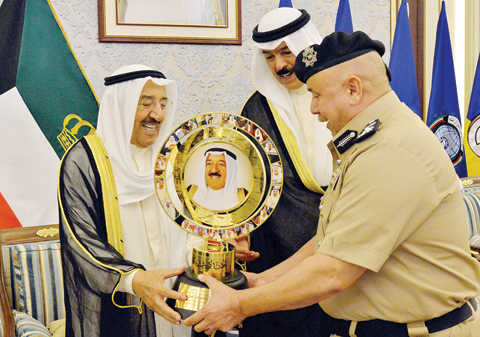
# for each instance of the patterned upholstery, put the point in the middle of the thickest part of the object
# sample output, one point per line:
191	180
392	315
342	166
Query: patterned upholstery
475	241
27	326
34	279
471	197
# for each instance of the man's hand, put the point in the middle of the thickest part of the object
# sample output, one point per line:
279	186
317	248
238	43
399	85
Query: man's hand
254	280
221	312
148	285
242	249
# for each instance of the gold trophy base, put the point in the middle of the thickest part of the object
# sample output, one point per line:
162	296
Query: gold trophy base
214	260
198	293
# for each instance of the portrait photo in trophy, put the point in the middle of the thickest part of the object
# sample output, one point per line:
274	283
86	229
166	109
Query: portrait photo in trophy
218	181
218	186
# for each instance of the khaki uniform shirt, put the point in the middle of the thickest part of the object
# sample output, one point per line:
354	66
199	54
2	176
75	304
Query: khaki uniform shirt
394	207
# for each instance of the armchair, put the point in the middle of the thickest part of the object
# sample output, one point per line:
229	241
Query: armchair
31	280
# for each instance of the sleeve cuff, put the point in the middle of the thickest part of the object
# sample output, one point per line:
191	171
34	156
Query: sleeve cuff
126	283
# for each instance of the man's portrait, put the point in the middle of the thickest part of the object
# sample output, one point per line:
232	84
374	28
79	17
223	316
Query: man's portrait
192	124
274	197
231	120
264	213
247	227
160	165
200	231
170	209
186	225
270	149
172	140
161	189
218	186
182	131
276	173
243	123
260	135
228	234
216	235
207	119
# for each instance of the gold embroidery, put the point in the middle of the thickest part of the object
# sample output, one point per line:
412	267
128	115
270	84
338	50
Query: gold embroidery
109	190
294	151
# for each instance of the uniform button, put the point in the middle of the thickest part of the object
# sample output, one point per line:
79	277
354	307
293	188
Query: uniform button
339	161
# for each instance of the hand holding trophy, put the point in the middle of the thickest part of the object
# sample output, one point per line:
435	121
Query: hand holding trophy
218	176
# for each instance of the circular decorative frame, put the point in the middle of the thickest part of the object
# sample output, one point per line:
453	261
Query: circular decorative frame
182	170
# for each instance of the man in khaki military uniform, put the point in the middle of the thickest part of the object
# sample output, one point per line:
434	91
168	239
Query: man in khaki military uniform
391	256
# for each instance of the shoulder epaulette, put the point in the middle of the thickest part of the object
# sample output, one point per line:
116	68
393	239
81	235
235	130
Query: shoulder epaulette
350	137
369	130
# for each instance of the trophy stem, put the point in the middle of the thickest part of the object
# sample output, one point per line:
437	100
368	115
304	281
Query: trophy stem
217	260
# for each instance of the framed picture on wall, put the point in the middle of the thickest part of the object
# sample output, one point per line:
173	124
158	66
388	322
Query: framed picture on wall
170	21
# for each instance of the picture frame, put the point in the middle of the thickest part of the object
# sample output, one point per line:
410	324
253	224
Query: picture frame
226	30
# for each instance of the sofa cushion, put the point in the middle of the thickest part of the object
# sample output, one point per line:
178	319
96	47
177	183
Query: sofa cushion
27	326
36	280
475	241
471	199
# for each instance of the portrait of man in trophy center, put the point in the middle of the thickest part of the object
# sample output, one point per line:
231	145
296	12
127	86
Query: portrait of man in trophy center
217	185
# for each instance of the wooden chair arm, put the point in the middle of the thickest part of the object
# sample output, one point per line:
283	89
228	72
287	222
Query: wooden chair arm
8	323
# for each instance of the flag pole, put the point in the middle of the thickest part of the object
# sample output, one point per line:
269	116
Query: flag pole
394	6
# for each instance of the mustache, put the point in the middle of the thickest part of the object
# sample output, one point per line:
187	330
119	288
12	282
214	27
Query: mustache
151	120
215	174
284	71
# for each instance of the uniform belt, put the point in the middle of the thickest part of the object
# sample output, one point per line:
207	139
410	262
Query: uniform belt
381	328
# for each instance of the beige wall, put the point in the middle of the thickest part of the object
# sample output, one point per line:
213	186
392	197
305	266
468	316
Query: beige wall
209	77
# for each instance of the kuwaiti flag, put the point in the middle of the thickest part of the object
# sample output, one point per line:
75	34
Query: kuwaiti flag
46	103
443	110
472	127
402	63
343	22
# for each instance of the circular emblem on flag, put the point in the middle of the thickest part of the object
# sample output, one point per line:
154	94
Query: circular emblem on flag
447	129
473	135
309	57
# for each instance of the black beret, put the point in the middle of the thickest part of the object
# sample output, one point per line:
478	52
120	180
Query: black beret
335	48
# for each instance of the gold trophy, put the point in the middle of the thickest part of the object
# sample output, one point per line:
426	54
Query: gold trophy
218	176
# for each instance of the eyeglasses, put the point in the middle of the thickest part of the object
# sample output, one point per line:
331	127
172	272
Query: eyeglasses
150	103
